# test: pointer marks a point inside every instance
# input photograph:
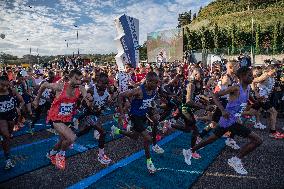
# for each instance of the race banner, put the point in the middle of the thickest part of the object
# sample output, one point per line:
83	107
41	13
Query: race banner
127	41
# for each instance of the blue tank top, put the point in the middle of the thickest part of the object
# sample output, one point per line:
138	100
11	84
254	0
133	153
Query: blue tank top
139	107
235	108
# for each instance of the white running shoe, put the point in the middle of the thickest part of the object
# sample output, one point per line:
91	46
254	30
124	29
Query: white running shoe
96	134
187	156
113	129
259	126
236	163
158	149
232	143
151	168
9	164
104	159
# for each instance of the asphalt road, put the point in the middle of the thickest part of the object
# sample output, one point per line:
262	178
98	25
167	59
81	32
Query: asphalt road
265	166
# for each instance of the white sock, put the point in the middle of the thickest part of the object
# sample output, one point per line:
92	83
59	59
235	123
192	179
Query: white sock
62	152
101	152
52	152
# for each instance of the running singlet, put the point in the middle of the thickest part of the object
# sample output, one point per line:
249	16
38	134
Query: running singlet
62	108
45	95
234	108
139	107
100	101
7	107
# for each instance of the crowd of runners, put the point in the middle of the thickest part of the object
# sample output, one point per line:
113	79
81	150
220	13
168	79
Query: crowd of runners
230	98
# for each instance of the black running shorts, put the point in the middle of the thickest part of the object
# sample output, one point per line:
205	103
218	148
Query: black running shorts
235	129
139	123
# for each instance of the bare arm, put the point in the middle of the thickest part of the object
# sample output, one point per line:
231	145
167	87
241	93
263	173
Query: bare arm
127	94
189	97
19	97
229	90
263	77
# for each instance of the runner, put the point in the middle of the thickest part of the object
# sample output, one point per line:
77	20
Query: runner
8	115
143	97
227	80
265	85
61	112
194	88
238	96
91	118
45	100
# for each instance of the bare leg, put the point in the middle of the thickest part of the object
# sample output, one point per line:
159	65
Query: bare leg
254	142
4	131
67	134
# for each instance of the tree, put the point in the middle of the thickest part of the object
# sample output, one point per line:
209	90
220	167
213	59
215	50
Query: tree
203	38
143	51
184	19
200	9
194	16
233	38
257	39
216	36
275	40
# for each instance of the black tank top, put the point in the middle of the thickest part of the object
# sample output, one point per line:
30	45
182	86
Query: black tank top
7	103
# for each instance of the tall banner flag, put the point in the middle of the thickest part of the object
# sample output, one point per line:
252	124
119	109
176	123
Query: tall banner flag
127	41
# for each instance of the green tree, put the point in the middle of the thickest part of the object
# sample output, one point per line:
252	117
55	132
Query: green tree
194	16
143	51
233	38
276	39
216	37
203	38
257	39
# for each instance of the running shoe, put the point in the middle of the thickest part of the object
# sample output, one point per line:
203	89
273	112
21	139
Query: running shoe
151	168
198	140
277	135
104	159
60	161
167	126
114	130
232	143
187	156
259	126
9	164
158	149
195	155
237	165
51	157
96	134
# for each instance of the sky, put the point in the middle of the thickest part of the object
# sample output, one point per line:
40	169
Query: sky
46	26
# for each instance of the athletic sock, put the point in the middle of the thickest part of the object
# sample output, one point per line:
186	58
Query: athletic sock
52	152
149	161
101	151
61	153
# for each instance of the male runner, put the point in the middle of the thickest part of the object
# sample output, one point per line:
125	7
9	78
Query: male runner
61	113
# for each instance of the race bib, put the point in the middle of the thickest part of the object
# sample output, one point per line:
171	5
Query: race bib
66	109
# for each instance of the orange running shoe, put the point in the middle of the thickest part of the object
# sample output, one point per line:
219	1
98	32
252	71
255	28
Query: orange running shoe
52	158
60	161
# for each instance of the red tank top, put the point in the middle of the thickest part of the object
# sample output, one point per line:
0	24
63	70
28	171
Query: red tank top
63	107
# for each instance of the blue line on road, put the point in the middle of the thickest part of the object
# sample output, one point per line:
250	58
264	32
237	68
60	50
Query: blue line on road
92	179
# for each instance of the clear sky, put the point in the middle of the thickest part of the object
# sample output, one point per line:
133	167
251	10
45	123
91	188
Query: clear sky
46	24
